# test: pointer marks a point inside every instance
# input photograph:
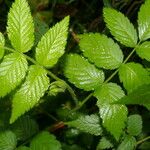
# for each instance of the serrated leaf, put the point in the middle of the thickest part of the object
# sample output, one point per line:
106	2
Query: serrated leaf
104	144
20	27
81	73
23	148
143	50
101	50
45	141
12	71
2	43
120	27
128	143
89	124
52	44
134	125
8	140
139	96
30	92
113	116
133	75
24	128
144	21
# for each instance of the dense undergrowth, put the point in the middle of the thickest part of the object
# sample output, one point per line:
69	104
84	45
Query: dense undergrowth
74	75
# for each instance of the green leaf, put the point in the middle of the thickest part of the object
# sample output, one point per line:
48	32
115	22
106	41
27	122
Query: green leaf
133	75
120	27
45	141
143	50
128	143
8	140
139	96
144	21
89	124
30	92
81	73
134	125
113	116
24	128
12	71
23	148
52	44
101	50
104	144
20	26
2	43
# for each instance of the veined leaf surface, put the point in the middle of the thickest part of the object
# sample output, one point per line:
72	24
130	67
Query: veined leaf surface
101	50
30	92
12	71
52	44
2	43
81	73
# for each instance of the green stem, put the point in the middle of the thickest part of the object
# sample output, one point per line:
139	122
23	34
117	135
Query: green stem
143	140
71	91
107	80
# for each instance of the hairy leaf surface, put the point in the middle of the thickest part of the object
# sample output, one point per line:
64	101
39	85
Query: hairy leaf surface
81	73
143	50
52	44
89	124
2	43
45	141
30	92
113	116
101	50
134	125
23	148
133	75
120	27
144	21
12	71
8	140
20	26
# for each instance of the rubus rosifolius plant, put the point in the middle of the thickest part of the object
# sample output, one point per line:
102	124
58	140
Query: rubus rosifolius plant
26	80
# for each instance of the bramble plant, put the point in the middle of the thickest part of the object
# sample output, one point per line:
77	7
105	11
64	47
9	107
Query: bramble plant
26	80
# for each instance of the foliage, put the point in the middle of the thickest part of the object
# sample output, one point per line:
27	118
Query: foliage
41	73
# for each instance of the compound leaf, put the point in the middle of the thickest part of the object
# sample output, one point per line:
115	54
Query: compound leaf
101	50
2	43
12	71
144	21
113	116
133	75
128	143
120	27
52	44
143	50
8	140
20	26
30	92
81	73
134	125
45	141
89	124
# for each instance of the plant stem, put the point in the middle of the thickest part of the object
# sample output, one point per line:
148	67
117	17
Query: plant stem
70	90
143	140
